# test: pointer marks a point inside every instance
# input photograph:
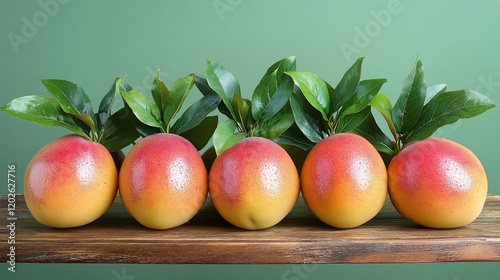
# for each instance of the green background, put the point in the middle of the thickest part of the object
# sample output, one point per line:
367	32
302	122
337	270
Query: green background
93	42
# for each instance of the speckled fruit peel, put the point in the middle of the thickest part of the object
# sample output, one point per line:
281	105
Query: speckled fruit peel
163	181
254	184
70	182
344	180
437	183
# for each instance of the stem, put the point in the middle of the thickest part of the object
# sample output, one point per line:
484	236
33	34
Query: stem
398	143
241	127
251	131
396	136
94	137
390	124
332	125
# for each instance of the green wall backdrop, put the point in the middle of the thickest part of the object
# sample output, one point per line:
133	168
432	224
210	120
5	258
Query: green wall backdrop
93	42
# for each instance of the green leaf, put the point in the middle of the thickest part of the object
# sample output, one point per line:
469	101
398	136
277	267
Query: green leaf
241	107
160	93
125	87
196	113
270	95
284	65
370	130
201	134
178	93
347	86
233	139
446	108
202	85
222	133
293	136
351	121
411	100
276	125
331	94
226	135
305	122
433	90
143	129
223	83
73	100
106	105
364	94
144	109
384	106
314	90
44	111
117	131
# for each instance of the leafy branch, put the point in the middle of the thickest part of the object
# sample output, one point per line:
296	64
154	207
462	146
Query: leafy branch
420	110
159	115
321	110
70	108
267	114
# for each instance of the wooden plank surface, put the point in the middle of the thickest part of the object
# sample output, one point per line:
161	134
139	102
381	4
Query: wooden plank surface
299	238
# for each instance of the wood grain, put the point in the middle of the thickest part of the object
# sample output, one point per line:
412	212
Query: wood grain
300	238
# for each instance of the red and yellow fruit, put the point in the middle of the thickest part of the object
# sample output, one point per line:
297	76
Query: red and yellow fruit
344	180
437	183
163	181
254	184
70	182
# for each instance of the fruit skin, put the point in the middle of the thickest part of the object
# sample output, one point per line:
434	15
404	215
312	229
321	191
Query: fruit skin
254	184
163	181
437	183
344	180
70	182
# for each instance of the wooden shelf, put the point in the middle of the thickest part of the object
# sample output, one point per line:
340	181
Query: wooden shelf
300	238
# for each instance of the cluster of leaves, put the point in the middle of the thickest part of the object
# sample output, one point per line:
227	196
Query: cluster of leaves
321	110
293	108
267	114
419	111
158	115
70	107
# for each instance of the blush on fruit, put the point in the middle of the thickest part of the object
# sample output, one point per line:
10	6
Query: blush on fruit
254	184
70	182
344	180
437	183
163	181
